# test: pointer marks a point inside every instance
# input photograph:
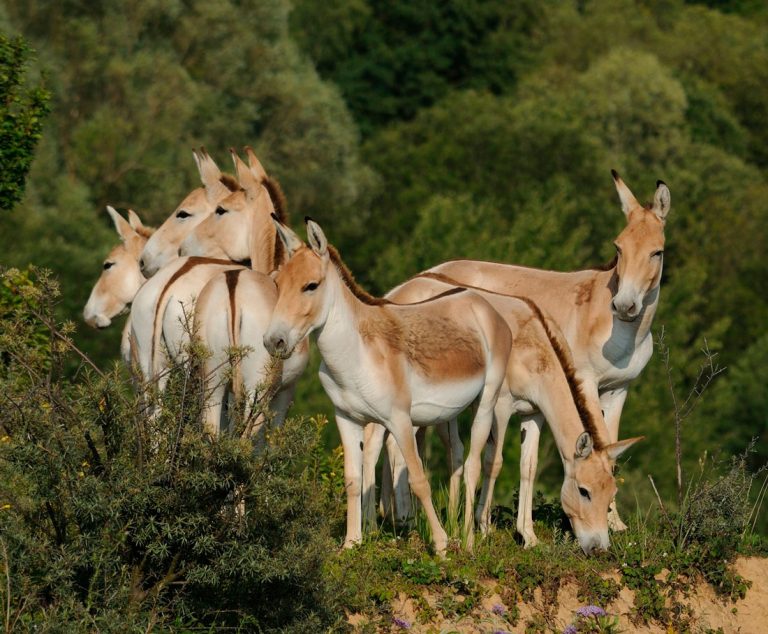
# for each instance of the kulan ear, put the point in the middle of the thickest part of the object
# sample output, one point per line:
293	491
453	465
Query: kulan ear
584	445
245	177
661	200
124	230
135	221
317	240
615	450
291	241
210	175
627	198
257	168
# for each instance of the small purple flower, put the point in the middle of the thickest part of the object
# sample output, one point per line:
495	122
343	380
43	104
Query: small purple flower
500	632
402	623
590	610
499	610
571	629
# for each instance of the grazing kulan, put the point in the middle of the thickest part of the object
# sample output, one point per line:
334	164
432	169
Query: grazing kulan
605	314
540	375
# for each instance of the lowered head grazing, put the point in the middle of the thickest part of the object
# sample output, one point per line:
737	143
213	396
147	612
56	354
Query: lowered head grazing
589	488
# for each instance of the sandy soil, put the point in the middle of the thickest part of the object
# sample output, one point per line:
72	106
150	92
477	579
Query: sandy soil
748	616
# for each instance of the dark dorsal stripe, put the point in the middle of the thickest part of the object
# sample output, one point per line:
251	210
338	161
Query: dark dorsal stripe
359	292
190	264
277	197
448	293
231	277
574	384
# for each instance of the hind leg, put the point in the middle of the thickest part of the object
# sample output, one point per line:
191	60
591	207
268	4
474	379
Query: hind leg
373	441
449	435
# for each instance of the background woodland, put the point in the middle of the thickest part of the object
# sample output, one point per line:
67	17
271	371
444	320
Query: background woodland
416	132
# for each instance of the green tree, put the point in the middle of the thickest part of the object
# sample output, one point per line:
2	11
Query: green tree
22	111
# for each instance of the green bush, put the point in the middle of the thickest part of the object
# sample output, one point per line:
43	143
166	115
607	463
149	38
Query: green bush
114	520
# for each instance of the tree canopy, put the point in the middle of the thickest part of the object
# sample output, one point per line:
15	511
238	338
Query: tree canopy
418	132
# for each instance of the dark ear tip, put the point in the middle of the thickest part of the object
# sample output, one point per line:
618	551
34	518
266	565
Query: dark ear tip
307	219
660	183
615	175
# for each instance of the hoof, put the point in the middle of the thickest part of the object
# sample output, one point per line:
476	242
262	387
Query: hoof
530	540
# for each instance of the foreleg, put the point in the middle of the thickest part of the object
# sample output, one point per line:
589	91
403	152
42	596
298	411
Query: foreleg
530	432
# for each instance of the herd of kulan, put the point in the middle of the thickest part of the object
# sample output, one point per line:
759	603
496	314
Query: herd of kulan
556	346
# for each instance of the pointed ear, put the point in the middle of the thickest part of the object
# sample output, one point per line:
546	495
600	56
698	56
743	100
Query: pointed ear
256	167
124	230
290	240
245	177
628	200
210	175
135	221
661	200
584	445
616	449
317	240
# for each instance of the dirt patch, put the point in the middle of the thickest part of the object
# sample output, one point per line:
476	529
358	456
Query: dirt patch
491	614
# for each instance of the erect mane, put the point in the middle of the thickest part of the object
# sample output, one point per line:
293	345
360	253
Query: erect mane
563	356
349	279
574	384
277	197
230	182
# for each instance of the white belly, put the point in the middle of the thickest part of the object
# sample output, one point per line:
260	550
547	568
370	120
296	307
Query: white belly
368	400
431	404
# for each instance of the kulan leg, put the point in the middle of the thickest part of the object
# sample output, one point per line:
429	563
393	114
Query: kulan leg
492	461
481	430
612	403
396	503
529	457
449	435
352	441
401	428
373	441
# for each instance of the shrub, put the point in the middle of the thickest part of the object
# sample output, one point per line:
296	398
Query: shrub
114	520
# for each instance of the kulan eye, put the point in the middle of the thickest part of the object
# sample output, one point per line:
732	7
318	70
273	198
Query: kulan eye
657	254
220	211
584	493
183	214
108	265
310	287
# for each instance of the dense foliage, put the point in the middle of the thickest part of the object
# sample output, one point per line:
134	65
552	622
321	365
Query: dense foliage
418	132
112	519
22	110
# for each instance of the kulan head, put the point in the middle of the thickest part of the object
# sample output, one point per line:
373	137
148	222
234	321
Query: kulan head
589	488
241	221
304	295
639	250
121	276
201	202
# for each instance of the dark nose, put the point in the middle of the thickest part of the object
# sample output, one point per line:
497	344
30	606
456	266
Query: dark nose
275	345
141	264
